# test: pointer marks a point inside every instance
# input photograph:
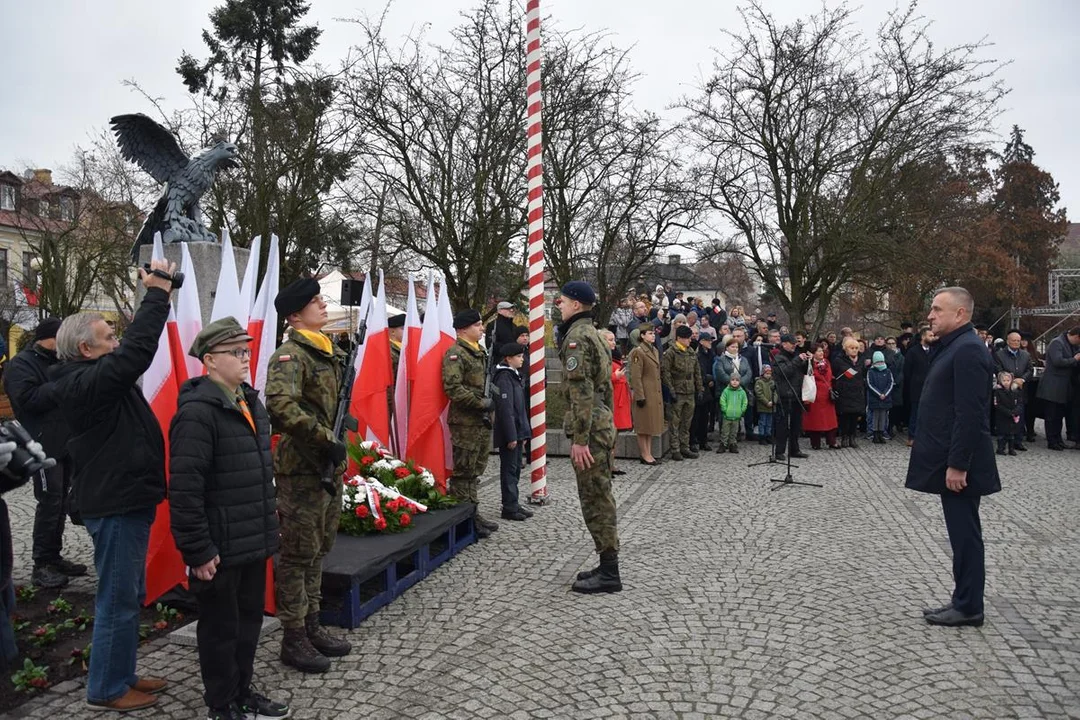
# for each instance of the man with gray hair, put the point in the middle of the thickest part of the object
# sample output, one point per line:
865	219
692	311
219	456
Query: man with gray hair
119	455
953	454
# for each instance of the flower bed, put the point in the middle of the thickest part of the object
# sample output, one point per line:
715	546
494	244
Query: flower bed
383	493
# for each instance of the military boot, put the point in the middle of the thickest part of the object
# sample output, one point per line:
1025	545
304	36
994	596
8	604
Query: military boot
298	652
691	454
605	580
586	574
323	641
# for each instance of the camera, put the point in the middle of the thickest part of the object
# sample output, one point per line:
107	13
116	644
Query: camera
177	278
23	463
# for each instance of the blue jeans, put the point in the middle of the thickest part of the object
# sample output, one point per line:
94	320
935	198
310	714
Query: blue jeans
120	543
764	424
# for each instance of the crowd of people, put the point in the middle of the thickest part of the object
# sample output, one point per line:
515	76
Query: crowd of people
697	368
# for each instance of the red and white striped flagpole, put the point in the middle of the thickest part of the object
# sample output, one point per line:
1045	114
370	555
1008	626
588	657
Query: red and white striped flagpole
537	400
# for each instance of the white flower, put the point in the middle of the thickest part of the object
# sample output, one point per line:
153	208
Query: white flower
427	478
381	466
368	445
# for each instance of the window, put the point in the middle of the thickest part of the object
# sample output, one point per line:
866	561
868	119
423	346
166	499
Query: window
67	208
7	197
3	267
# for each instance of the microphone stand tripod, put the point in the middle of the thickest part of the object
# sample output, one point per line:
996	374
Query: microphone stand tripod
787	479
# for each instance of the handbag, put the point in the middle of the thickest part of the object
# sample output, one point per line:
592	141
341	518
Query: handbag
809	387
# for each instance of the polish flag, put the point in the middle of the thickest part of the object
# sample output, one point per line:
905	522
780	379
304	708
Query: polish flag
251	277
160	385
263	321
427	440
410	343
447	337
373	371
227	296
188	317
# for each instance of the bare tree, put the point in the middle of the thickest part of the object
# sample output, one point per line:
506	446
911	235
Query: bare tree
807	134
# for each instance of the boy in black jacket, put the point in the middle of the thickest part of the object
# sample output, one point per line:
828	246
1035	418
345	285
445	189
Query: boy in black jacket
1007	402
511	426
224	516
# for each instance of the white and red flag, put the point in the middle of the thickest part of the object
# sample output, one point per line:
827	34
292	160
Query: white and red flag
406	371
251	278
427	440
160	385
263	321
188	317
373	370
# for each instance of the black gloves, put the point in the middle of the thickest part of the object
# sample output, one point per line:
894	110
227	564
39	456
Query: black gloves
641	402
338	452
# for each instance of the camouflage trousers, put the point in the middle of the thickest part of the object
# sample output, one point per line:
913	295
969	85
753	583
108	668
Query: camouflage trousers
309	524
594	493
682	417
471	448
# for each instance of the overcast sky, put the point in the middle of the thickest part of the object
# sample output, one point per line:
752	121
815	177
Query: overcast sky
64	60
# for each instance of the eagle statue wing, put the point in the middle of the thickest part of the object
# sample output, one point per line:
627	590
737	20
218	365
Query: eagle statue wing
150	146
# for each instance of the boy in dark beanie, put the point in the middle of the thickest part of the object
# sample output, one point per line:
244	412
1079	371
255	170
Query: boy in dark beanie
1007	403
511	426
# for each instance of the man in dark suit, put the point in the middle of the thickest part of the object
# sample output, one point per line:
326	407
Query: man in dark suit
953	455
916	365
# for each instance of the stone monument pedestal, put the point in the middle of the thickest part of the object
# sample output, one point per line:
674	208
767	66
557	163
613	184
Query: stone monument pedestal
206	261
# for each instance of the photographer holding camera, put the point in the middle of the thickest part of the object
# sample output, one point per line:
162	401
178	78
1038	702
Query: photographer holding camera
119	455
17	464
37	406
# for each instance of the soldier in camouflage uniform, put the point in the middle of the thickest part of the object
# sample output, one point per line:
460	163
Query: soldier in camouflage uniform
302	384
464	372
590	425
681	373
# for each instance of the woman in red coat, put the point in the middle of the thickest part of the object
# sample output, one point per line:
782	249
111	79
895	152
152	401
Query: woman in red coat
621	386
820	418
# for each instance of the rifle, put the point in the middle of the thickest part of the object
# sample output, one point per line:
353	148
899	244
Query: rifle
487	393
343	422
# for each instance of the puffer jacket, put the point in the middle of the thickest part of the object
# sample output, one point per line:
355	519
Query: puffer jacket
221	483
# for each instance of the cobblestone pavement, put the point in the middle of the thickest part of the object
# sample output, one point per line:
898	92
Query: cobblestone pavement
739	602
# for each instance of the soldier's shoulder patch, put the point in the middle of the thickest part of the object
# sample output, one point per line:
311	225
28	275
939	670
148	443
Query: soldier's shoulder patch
284	358
452	358
572	362
572	346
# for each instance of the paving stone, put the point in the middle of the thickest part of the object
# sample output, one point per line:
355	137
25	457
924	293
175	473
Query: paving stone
739	601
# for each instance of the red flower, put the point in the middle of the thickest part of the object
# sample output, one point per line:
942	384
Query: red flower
420	470
362	511
405	519
380	524
367	460
402	472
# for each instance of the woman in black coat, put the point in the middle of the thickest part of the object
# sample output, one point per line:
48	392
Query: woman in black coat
849	383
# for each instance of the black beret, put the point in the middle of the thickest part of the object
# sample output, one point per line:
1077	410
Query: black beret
580	291
294	296
511	349
684	331
787	339
465	318
47	328
396	321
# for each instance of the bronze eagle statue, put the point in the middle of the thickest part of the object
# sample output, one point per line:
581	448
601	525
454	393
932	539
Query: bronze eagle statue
153	148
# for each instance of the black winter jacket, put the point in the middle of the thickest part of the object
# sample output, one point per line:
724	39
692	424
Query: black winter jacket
116	443
511	412
850	387
1007	404
792	367
916	366
34	399
221	477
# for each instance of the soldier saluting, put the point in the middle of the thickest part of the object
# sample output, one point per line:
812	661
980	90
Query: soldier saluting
302	384
464	371
590	425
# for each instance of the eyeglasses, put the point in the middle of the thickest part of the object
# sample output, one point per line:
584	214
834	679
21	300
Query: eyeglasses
238	353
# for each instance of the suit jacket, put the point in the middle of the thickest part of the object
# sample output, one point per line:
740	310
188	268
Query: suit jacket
954	418
916	366
1054	385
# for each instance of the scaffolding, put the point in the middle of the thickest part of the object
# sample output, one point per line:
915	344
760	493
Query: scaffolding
1055	308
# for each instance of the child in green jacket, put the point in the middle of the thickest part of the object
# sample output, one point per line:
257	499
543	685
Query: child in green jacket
733	403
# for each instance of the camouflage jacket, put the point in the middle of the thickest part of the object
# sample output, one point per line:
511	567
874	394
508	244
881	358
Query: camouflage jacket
681	372
464	371
587	378
302	385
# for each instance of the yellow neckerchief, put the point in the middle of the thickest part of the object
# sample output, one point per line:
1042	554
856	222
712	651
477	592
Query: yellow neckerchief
680	347
320	341
474	345
395	343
